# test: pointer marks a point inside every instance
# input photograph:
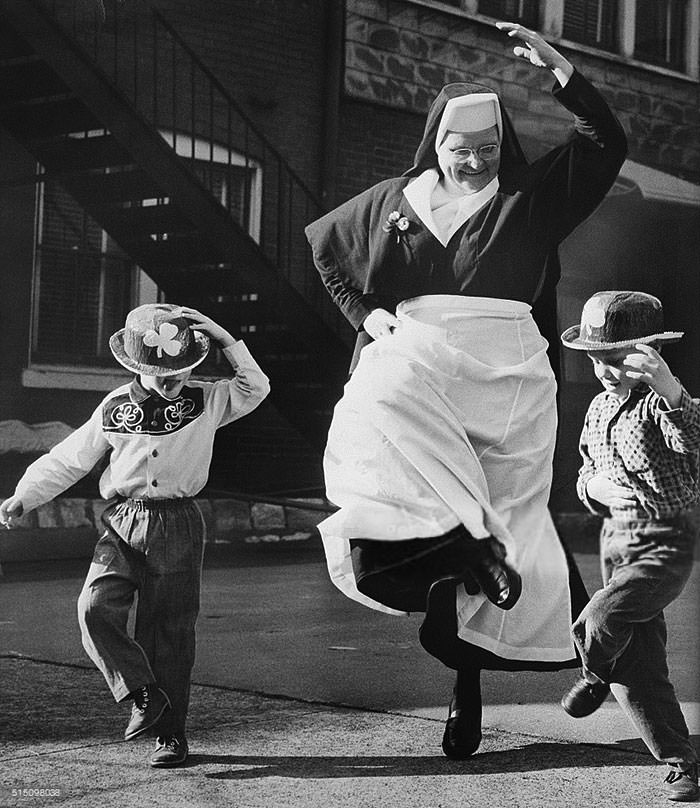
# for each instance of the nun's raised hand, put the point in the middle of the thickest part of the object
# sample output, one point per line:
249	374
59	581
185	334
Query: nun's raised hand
380	323
535	49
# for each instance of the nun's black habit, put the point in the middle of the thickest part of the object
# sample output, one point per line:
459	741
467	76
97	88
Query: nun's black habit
506	250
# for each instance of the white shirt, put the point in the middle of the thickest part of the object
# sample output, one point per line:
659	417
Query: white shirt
441	213
160	449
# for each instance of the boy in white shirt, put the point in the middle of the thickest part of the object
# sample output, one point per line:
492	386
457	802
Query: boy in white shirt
159	432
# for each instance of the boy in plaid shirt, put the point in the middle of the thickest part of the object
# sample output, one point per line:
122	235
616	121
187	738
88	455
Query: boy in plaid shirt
639	445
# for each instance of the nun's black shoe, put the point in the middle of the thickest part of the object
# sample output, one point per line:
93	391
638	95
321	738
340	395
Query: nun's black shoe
498	581
462	734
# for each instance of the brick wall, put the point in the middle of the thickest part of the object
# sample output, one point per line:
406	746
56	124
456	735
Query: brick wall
69	527
271	57
375	143
399	54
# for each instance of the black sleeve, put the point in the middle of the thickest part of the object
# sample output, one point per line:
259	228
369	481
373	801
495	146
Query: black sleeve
569	183
340	246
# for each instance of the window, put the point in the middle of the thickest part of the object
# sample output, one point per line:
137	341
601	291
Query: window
659	32
234	180
84	284
592	22
663	33
523	11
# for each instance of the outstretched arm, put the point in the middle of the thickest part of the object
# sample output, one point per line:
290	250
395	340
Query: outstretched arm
53	473
569	182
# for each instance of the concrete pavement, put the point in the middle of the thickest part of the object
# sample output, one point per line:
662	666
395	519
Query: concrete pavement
253	751
281	656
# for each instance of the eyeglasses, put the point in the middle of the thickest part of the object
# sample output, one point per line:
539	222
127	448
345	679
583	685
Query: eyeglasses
486	152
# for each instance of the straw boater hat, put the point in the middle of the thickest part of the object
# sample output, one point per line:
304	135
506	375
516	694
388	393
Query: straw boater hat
155	342
613	320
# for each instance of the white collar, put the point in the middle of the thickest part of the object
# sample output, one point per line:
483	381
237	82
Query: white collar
419	193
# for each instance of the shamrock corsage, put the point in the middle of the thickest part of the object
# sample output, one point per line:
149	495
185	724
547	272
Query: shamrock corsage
396	223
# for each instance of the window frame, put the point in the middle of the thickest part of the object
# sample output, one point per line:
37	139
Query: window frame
95	377
615	27
684	23
551	15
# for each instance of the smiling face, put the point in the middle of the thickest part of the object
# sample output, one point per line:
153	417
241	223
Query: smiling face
609	369
168	387
467	162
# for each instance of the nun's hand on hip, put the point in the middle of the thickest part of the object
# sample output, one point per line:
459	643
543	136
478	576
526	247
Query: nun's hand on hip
535	49
380	323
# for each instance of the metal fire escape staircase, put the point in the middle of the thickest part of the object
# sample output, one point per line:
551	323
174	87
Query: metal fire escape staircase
119	110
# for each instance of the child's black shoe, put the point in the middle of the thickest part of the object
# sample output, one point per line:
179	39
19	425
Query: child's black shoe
170	751
681	785
585	698
150	702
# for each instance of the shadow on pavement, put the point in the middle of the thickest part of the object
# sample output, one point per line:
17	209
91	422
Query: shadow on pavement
215	557
637	744
538	756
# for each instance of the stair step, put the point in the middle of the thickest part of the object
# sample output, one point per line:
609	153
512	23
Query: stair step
55	117
145	220
232	309
81	153
212	268
11	46
28	79
161	257
133	185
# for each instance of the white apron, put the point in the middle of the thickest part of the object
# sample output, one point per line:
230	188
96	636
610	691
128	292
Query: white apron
450	420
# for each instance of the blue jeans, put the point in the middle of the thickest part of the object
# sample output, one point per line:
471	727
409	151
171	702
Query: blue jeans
621	633
153	548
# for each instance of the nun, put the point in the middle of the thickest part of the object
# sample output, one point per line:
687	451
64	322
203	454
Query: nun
439	454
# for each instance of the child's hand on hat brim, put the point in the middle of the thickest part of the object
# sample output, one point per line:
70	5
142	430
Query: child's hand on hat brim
200	322
649	367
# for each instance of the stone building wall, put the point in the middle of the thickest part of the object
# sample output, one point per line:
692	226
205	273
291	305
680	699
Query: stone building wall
398	54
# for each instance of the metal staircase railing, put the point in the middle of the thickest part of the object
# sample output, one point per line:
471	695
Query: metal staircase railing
133	44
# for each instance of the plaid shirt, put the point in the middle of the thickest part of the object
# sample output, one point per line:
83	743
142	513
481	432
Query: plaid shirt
640	443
